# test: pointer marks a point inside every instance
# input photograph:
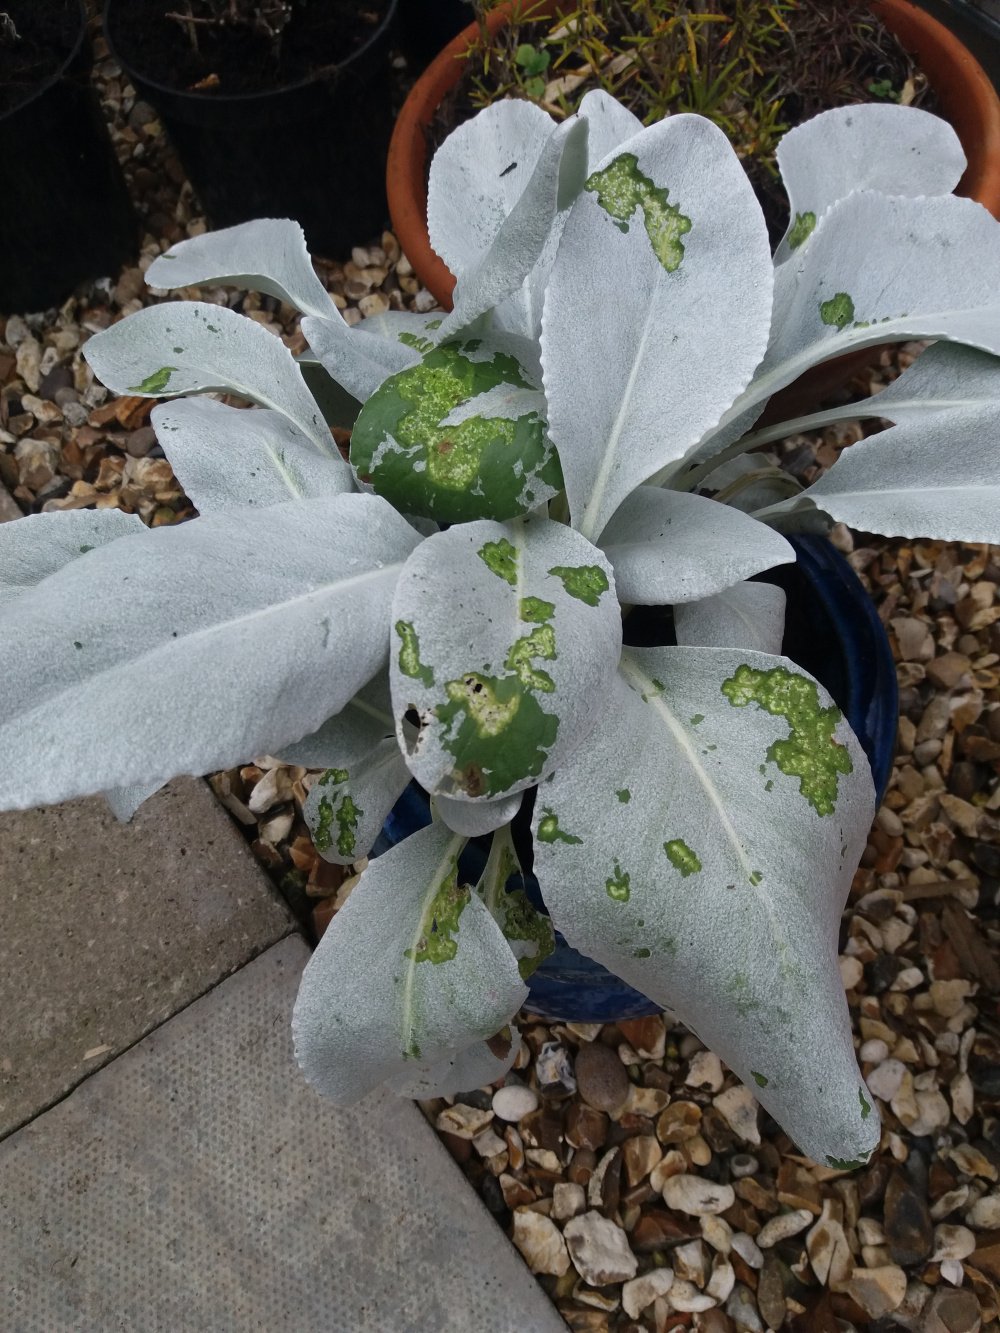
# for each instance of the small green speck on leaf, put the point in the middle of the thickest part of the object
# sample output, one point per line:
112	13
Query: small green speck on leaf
801	230
154	383
77	643
500	557
409	655
585	582
838	311
535	609
697	718
866	1108
333	777
681	857
640	953
840	1164
760	1079
85	549
755	877
624	795
617	885
549	830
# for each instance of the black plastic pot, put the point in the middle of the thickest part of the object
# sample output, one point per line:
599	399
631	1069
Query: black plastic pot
314	151
428	25
66	214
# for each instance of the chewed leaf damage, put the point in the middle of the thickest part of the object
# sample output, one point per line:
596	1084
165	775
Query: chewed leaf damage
487	466
621	188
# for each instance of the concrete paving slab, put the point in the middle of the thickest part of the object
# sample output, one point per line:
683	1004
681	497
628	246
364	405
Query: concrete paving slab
198	1185
107	929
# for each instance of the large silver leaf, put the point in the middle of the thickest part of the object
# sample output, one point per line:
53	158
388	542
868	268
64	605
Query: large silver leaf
478	175
668	547
192	347
350	734
359	361
609	124
230	457
411	971
664	259
211	653
555	182
701	845
506	637
33	547
747	615
266	255
879	269
475	1067
874	146
931	476
349	801
125	801
474	818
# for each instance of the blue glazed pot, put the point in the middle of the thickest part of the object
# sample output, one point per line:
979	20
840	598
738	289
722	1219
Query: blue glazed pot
834	632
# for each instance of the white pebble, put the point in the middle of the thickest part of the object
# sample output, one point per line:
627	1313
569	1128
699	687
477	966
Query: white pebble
514	1101
686	1298
874	1052
693	1195
783	1226
885	1080
748	1250
643	1291
952	1242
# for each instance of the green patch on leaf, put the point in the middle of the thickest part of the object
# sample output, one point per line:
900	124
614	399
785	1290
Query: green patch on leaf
501	558
409	655
640	953
439	922
482	467
760	1079
333	777
801	229
341	811
154	383
584	582
621	188
738	990
624	795
838	311
522	923
85	549
535	609
617	885
866	1108
756	876
495	730
809	753
549	830
541	642
697	719
414	340
841	1164
681	857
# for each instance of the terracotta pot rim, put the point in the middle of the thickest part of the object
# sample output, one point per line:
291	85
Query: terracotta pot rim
967	96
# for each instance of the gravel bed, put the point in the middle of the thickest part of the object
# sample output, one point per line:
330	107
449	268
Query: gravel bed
639	1179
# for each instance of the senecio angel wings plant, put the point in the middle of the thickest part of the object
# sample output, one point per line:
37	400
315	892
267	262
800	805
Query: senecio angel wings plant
448	605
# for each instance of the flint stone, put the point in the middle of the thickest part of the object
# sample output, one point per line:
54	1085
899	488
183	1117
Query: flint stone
951	1312
739	1108
877	1290
908	1227
601	1077
599	1249
540	1242
641	1292
692	1194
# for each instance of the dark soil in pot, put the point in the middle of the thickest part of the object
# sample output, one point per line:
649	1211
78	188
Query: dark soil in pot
834	54
232	59
35	41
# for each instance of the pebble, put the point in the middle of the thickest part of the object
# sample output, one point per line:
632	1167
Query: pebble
748	1249
555	1070
851	972
465	1122
540	1242
952	1242
743	1164
783	1226
951	1312
705	1072
738	1107
567	1200
599	1249
694	1195
691	1262
601	1077
647	1036
514	1101
717	1232
640	1154
877	1290
721	1281
908	1229
640	1292
685	1297
885	1080
742	1310
984	1214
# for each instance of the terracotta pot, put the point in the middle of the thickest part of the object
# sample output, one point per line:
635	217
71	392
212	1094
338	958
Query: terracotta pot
967	98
